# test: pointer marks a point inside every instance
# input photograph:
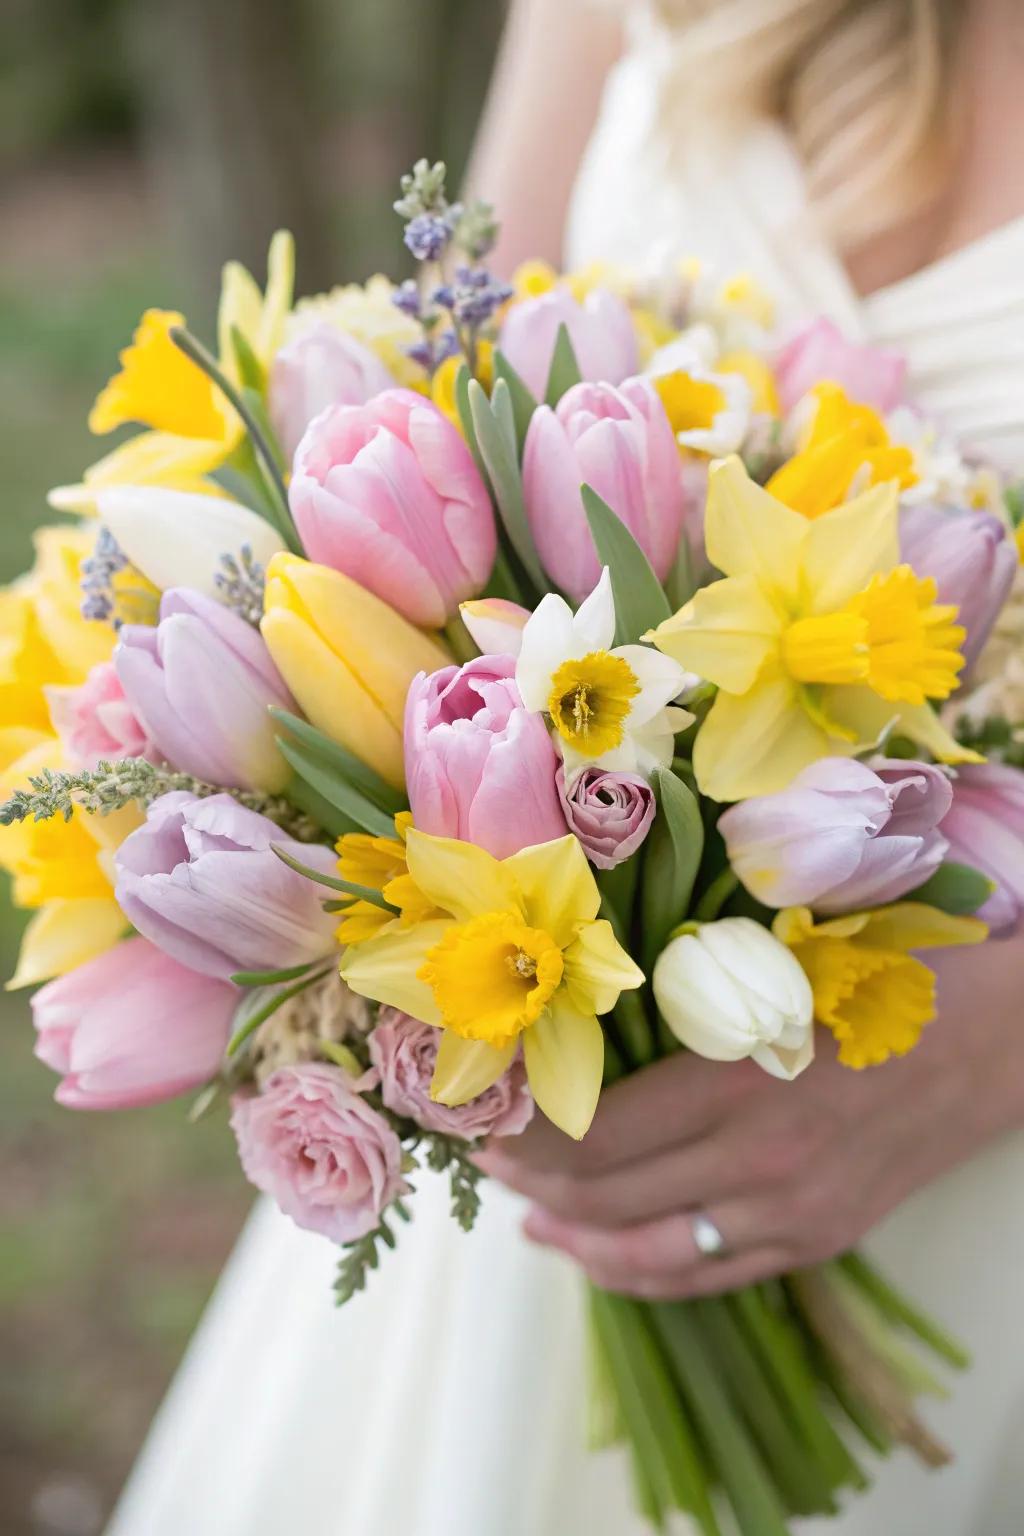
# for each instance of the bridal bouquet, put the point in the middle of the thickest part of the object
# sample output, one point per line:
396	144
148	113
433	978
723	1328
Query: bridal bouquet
463	694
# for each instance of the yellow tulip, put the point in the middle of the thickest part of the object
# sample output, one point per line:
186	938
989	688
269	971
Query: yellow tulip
817	639
346	657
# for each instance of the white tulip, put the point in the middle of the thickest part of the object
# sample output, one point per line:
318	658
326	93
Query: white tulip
177	538
732	990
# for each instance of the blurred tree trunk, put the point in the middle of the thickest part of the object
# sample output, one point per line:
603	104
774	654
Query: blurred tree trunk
231	129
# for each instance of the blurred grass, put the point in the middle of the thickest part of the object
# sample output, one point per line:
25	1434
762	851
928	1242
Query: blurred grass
112	1227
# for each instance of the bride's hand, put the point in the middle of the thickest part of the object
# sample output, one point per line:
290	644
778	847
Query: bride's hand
790	1173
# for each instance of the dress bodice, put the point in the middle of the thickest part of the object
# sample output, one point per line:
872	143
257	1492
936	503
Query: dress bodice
742	203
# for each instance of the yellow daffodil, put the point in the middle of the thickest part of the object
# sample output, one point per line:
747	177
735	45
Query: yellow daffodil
709	408
868	988
193	429
817	639
442	385
347	657
379	864
845	447
519	957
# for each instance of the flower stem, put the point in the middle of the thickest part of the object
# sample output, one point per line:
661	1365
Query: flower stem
715	897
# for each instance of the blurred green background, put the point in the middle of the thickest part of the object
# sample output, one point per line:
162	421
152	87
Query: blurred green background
141	145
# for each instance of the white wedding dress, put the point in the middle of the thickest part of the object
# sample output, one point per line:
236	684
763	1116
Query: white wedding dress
449	1400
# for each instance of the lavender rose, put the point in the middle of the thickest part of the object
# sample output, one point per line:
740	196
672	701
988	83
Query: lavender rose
610	813
404	1051
312	1143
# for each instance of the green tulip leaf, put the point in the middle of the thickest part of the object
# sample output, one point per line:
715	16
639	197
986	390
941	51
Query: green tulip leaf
359	774
494	425
640	602
954	888
523	402
565	370
672	858
328	782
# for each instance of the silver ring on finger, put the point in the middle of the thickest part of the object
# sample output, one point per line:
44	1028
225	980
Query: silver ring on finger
708	1237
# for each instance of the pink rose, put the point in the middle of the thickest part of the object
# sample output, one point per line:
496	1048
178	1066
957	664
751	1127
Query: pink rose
820	351
404	1052
311	1142
95	720
610	813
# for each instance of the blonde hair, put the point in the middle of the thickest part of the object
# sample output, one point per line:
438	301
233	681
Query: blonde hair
863	86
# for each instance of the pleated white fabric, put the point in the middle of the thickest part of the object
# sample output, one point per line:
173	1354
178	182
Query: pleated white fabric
449	1400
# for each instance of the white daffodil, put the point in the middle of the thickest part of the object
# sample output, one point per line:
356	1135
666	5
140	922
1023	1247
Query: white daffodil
940	471
710	411
177	539
608	707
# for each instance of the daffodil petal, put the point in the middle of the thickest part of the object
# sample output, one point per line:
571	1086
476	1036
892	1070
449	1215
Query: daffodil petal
384	969
598	969
868	718
749	533
547	642
65	934
564	1054
593	627
911	925
725	633
661	680
460	877
756	744
849	545
557	886
466	1068
279	295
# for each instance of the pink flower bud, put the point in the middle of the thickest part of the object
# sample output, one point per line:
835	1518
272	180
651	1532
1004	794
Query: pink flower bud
404	1052
388	493
131	1027
843	836
620	442
600	329
478	766
311	1142
821	351
95	720
320	366
610	813
985	829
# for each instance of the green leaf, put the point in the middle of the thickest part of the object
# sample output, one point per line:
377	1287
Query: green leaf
671	861
329	782
565	370
258	410
523	402
251	371
462	380
333	882
267	978
498	449
258	1007
954	888
681	583
350	767
640	603
332	822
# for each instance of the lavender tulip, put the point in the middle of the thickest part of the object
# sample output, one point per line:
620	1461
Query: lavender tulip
610	813
985	829
620	442
320	366
600	329
843	836
971	558
478	765
200	684
201	880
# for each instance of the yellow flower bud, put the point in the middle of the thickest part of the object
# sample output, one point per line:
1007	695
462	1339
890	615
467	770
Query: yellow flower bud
347	658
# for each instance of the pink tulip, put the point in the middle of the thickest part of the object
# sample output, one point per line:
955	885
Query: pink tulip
404	1053
820	351
600	329
478	766
311	1142
971	558
321	366
131	1027
843	836
95	720
200	683
619	442
388	493
985	829
200	878
610	813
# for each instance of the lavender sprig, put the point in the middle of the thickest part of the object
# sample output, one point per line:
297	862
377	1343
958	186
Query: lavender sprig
241	583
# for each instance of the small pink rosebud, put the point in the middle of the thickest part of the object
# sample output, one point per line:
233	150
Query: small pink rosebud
610	813
620	442
95	720
311	1142
320	366
388	493
821	351
478	766
404	1052
131	1027
600	329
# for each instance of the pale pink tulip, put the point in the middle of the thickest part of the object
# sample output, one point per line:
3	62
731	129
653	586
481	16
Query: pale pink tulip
821	352
600	329
972	559
320	366
478	766
131	1027
404	1053
388	493
985	829
619	442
